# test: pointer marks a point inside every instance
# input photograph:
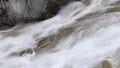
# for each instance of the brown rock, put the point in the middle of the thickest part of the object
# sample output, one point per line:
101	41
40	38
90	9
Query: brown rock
106	64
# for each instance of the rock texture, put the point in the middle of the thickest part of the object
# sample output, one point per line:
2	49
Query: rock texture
106	64
13	12
18	11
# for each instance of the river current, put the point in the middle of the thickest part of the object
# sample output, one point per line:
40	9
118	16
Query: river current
79	36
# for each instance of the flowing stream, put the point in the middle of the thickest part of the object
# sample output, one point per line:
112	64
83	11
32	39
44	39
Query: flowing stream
80	36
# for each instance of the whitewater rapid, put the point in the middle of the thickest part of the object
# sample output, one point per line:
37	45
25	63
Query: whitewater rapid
80	36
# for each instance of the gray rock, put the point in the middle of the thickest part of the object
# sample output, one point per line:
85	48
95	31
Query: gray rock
13	12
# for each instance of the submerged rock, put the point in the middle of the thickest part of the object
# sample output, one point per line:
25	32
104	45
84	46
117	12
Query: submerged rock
106	64
13	12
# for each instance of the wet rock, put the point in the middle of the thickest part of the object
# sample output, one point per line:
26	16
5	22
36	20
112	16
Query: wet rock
26	52
13	12
106	64
53	6
48	43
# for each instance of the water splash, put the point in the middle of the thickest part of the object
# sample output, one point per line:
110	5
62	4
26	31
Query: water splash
79	36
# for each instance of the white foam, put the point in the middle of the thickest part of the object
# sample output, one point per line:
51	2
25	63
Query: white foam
94	40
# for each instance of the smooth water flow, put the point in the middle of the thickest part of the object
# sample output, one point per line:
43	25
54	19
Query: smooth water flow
79	36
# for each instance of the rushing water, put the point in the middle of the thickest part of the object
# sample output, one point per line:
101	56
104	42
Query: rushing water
79	36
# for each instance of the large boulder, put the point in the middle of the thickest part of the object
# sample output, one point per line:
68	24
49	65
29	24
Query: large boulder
17	11
13	12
